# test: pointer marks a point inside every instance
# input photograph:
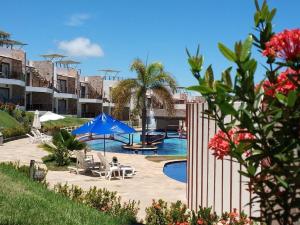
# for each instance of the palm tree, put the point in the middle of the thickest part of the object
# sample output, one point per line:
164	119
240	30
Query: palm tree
152	79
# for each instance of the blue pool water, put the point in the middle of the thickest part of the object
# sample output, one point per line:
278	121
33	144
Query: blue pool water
176	170
172	146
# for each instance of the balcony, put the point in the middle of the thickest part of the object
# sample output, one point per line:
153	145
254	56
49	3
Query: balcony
90	98
64	92
12	78
40	107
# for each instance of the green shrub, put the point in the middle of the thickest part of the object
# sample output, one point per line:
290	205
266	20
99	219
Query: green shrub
159	213
14	132
102	200
61	155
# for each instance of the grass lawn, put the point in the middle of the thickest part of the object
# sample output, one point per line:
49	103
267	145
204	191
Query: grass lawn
162	158
7	121
66	122
24	202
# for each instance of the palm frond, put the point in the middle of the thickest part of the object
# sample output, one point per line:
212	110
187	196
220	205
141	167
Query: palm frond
139	67
121	94
165	79
162	94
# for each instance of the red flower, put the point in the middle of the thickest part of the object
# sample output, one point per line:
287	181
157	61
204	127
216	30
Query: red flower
285	45
284	83
220	143
200	221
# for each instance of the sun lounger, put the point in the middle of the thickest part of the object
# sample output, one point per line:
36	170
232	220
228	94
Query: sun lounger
107	169
84	163
31	138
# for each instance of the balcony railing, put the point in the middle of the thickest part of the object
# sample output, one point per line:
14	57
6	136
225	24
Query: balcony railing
90	96
41	107
13	75
15	100
63	89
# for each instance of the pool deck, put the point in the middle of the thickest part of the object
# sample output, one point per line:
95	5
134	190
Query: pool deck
149	182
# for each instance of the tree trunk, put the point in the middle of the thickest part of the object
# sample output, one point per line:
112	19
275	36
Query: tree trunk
144	123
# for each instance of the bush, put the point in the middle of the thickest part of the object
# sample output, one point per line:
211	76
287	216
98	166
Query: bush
159	213
61	155
102	200
14	132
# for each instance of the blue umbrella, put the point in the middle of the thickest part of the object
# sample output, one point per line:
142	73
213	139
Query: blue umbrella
102	125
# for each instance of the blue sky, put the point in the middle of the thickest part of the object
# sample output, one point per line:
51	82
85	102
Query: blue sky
111	33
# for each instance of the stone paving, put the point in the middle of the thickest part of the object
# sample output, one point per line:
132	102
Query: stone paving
148	183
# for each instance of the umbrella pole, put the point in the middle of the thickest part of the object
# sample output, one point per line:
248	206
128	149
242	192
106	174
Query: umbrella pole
104	144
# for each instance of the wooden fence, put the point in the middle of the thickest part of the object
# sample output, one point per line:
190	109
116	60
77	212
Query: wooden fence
212	182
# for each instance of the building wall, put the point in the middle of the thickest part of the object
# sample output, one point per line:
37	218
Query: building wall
163	123
212	182
16	54
45	69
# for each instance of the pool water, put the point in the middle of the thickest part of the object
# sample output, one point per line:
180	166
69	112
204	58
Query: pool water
176	170
172	146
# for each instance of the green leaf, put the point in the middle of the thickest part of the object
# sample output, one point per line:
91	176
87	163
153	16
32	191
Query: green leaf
246	48
257	5
226	77
257	18
284	184
227	109
271	15
209	76
292	97
251	170
281	98
227	52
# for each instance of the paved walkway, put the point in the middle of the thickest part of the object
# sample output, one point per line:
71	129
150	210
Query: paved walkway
148	183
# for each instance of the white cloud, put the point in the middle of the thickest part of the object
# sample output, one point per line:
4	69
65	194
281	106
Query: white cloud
76	20
81	47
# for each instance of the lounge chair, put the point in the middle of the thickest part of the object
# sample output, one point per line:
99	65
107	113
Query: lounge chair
31	138
107	169
126	170
115	166
43	136
84	163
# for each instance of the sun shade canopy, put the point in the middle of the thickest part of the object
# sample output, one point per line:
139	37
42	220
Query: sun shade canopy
104	124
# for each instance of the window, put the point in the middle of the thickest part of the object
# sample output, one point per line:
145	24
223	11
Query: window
62	85
4	69
4	94
82	92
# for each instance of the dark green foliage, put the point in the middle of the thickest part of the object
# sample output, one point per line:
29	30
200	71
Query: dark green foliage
62	143
273	163
102	200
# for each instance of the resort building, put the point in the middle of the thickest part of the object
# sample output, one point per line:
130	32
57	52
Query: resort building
110	80
177	120
90	96
52	86
12	70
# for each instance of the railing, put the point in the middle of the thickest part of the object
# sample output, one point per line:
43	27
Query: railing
112	78
91	96
13	75
41	107
15	100
89	114
64	89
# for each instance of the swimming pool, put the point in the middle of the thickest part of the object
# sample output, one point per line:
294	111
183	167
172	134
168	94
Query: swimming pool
176	170
172	146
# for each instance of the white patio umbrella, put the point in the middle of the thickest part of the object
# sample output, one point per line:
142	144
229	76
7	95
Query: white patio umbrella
36	120
50	116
